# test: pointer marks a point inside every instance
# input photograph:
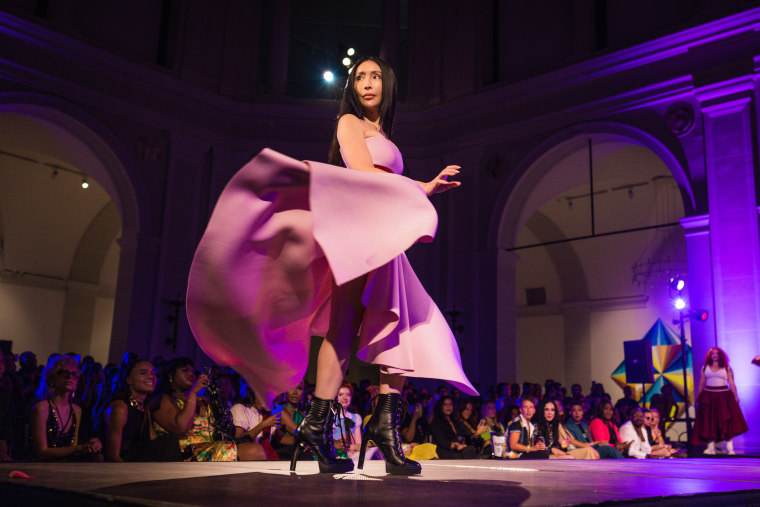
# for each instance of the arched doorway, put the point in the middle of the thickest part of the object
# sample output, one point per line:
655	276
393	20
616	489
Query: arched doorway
62	266
588	236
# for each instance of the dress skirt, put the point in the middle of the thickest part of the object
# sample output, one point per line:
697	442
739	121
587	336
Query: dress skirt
282	233
718	417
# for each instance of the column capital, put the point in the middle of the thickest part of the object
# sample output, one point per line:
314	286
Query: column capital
698	224
726	97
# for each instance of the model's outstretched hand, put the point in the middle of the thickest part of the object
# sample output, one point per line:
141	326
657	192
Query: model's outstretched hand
440	183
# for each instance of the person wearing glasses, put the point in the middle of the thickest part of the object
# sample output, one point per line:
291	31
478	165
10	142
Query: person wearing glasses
56	418
654	434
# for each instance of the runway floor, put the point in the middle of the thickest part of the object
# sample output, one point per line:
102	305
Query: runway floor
690	481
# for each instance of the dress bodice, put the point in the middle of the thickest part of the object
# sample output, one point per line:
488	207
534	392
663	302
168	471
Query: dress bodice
384	154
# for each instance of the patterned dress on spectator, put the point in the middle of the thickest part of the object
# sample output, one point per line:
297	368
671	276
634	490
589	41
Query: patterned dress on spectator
199	441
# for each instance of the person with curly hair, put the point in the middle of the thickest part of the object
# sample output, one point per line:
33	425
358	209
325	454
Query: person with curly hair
719	417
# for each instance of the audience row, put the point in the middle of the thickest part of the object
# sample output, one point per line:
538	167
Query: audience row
74	409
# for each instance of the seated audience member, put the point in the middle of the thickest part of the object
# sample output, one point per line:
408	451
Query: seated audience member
228	388
503	391
347	432
580	435
6	421
414	425
510	414
522	433
625	404
665	403
635	432
549	430
130	435
576	392
183	412
467	424
250	421
491	420
449	443
654	434
605	431
55	420
293	413
560	409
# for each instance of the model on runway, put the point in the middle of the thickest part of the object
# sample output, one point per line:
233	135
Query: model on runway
719	417
300	248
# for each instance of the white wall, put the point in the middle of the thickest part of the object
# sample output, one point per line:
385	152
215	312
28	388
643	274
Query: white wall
31	317
541	348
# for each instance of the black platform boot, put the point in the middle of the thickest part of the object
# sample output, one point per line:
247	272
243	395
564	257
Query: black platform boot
316	432
383	429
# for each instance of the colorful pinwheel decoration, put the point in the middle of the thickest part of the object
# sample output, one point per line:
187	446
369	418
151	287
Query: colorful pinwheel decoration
667	362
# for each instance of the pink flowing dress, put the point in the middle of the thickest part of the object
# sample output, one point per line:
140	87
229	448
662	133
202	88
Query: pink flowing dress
281	232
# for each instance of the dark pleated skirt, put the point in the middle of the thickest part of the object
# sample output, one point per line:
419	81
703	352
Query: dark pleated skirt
718	417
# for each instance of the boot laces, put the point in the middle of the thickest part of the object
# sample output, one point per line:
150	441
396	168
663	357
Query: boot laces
400	409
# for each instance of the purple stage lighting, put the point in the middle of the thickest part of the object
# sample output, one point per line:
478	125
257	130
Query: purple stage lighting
677	283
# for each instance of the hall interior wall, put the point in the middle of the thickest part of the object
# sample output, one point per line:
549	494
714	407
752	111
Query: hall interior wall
204	133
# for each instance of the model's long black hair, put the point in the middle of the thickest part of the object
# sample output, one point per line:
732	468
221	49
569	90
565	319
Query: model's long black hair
351	104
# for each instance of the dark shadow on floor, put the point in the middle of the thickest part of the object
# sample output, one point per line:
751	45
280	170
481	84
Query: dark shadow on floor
320	489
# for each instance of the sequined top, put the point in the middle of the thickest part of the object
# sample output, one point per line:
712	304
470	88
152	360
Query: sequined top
54	427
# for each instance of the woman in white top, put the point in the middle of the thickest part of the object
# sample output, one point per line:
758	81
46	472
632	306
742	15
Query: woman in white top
247	418
719	417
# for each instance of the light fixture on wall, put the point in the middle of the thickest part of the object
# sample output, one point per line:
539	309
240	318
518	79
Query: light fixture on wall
55	169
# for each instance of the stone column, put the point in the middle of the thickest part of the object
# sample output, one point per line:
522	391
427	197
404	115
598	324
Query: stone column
135	292
700	286
730	161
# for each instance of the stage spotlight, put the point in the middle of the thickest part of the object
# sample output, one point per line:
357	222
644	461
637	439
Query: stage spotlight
328	76
347	61
680	304
700	315
677	283
84	183
350	51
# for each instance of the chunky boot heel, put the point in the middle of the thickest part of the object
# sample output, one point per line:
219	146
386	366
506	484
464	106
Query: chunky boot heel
316	432
383	429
